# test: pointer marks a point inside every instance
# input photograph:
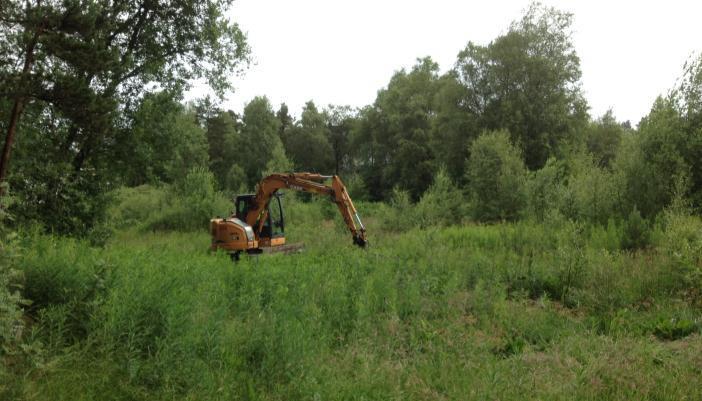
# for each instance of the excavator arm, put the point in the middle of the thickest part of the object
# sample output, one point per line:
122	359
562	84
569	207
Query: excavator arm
312	183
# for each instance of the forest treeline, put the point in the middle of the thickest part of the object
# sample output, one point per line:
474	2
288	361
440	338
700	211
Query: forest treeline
506	132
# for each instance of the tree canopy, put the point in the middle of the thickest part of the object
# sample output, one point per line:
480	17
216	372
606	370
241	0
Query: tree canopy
79	67
94	91
527	82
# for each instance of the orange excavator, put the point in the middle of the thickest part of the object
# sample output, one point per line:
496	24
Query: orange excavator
258	223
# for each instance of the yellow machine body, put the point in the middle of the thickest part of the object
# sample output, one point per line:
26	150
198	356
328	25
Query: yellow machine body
232	235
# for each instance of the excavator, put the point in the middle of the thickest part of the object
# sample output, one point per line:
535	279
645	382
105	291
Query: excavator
258	224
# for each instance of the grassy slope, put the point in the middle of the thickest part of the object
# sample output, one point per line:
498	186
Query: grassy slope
501	312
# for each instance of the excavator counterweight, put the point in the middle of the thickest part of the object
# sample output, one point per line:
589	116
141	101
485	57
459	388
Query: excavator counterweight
258	222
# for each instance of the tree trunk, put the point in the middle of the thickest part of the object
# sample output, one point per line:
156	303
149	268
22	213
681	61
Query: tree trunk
9	139
16	110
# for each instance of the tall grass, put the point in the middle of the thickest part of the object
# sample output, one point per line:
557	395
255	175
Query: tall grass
508	311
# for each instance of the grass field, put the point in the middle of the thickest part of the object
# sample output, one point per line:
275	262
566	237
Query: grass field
501	312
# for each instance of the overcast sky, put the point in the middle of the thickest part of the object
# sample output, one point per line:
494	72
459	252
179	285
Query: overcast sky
343	52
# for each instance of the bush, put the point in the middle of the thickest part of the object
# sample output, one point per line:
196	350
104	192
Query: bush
496	178
134	206
401	213
636	233
442	204
545	189
675	329
357	188
592	190
651	164
11	324
236	179
607	237
192	202
62	200
682	242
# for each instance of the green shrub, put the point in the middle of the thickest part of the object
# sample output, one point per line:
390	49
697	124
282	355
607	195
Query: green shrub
61	200
357	188
652	164
682	242
496	178
607	237
545	189
636	233
134	206
675	329
235	181
11	324
192	201
442	204
592	191
400	214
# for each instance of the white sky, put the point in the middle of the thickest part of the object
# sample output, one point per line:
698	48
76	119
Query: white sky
343	52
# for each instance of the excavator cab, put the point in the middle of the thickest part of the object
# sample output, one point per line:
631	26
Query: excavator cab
273	229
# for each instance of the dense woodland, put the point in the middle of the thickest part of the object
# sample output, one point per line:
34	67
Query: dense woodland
508	124
101	107
99	139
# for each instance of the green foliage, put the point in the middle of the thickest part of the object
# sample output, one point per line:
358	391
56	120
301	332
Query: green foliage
570	303
609	237
191	202
527	81
224	147
442	204
400	216
636	233
688	95
236	179
132	207
688	101
654	162
163	143
496	178
154	316
675	329
308	144
286	121
259	137
63	278
11	323
341	121
59	199
546	189
603	137
91	63
592	192
682	242
278	162
394	134
357	188
455	126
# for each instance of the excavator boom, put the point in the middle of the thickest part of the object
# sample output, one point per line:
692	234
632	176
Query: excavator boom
312	183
